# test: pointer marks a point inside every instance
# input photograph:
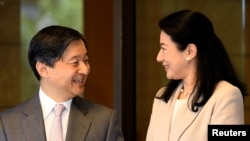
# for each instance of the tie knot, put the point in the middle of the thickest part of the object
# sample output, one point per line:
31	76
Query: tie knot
58	109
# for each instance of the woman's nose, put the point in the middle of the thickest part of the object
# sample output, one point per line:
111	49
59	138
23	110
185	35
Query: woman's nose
159	57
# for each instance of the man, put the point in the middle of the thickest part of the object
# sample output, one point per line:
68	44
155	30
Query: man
58	57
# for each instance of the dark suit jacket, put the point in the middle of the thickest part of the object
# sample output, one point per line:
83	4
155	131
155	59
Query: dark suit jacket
87	122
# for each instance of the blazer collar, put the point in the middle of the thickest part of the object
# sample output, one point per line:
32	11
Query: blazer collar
78	125
32	120
184	117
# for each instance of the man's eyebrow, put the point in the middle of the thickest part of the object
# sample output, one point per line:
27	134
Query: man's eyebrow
74	57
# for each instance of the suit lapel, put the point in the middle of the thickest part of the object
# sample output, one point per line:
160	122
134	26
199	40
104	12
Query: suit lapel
166	122
169	108
32	121
183	119
78	125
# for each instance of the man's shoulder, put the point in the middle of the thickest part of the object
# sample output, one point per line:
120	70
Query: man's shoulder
90	105
27	105
15	110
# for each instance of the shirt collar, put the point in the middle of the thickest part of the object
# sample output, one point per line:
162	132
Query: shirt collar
48	103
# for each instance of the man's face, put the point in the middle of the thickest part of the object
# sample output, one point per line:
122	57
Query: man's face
68	76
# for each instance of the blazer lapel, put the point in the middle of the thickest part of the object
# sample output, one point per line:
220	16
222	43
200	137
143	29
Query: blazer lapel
162	108
169	119
32	121
183	120
78	125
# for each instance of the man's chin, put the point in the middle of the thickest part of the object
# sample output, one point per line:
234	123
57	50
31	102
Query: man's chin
78	93
81	95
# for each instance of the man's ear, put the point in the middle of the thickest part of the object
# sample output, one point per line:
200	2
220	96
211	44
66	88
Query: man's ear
191	51
42	69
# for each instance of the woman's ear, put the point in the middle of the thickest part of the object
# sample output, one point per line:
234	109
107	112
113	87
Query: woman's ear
42	69
191	51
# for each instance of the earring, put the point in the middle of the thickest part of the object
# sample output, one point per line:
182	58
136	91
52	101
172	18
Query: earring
187	59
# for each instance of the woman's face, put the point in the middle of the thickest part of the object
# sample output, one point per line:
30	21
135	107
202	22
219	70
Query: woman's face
172	59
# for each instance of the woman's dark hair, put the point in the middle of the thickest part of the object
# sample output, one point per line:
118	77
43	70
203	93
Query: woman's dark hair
49	44
213	63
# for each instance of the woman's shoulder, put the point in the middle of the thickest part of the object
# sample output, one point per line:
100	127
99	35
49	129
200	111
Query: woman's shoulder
226	89
160	92
226	86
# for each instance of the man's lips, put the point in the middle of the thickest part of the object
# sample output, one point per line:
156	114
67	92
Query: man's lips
78	81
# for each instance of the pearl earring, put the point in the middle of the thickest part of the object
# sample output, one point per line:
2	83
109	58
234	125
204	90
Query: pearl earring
187	59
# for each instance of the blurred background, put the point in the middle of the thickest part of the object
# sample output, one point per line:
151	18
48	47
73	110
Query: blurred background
123	40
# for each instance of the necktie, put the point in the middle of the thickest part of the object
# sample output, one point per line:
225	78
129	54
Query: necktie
56	131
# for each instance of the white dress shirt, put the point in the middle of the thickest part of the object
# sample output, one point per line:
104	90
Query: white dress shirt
48	104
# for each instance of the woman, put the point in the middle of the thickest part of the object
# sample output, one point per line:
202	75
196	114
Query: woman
203	89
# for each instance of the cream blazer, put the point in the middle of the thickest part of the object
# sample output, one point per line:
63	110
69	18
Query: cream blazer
224	107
